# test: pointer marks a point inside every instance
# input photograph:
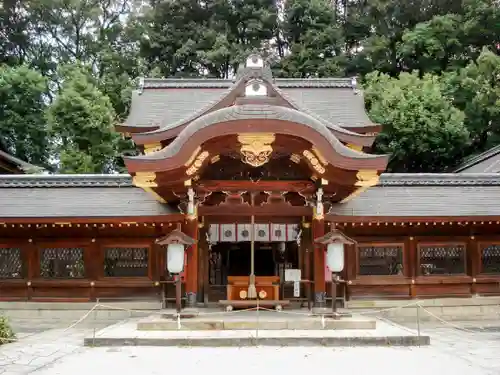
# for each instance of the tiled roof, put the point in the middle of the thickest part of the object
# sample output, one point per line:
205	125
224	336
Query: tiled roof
487	162
255	111
421	195
66	180
18	163
166	102
85	196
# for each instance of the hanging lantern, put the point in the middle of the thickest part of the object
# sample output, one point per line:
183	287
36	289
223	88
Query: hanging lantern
176	243
175	258
335	256
335	242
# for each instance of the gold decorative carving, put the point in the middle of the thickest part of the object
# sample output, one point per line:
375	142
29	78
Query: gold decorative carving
215	159
152	147
256	148
197	163
355	147
147	181
367	178
313	160
193	156
320	156
295	158
324	182
187	183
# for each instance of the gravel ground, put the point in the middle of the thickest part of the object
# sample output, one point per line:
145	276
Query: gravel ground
43	351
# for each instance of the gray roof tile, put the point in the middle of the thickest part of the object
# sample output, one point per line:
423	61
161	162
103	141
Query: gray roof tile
168	106
85	202
165	102
419	195
487	162
342	106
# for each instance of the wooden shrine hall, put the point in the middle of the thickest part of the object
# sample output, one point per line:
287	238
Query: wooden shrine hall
253	170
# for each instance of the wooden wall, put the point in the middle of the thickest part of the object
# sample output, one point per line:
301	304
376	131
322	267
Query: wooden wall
84	262
434	260
398	261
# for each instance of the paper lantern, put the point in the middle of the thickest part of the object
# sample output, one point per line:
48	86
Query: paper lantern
175	258
335	256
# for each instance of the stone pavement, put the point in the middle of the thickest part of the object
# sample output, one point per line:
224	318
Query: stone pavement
57	352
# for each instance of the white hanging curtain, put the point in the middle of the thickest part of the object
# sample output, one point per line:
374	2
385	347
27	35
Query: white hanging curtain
263	232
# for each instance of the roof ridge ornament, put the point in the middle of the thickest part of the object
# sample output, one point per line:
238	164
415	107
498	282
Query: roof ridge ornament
255	66
140	85
354	85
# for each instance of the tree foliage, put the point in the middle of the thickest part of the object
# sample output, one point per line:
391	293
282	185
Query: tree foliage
23	129
422	130
81	120
429	47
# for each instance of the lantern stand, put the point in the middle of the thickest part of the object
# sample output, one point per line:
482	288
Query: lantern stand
335	242
176	243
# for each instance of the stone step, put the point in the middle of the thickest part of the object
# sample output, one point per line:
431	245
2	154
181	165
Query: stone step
244	341
254	324
127	334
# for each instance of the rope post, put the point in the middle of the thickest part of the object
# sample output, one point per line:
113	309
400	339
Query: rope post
257	327
418	322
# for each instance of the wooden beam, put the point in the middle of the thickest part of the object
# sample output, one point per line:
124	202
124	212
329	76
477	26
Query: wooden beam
231	185
244	210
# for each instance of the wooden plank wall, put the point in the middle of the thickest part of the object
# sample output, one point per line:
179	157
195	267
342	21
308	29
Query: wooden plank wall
95	239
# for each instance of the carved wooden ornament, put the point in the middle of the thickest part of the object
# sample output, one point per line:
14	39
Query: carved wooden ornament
256	148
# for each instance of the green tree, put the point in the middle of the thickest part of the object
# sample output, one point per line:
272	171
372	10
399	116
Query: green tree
81	119
314	40
422	130
23	130
476	91
434	46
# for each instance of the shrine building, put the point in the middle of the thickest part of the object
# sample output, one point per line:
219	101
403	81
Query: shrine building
293	156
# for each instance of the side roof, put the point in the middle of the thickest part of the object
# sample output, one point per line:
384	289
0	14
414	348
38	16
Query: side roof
487	162
11	164
105	196
75	196
426	195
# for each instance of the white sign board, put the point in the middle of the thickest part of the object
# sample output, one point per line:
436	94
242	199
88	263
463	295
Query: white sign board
296	289
293	274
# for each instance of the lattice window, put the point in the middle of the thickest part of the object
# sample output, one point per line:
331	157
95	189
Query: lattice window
380	260
64	263
126	262
442	259
490	259
11	264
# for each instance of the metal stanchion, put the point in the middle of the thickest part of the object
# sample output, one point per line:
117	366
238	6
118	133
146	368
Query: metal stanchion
418	322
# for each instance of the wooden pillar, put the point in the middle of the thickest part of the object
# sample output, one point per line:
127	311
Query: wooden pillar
31	270
473	261
191	274
318	230
306	250
91	259
203	266
410	267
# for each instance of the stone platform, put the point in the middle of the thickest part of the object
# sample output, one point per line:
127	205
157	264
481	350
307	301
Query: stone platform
252	328
252	320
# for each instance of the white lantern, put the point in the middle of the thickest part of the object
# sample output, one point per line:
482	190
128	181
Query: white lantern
175	258
335	256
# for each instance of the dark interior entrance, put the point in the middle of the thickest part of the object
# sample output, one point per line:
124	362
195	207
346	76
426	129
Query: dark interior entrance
233	259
